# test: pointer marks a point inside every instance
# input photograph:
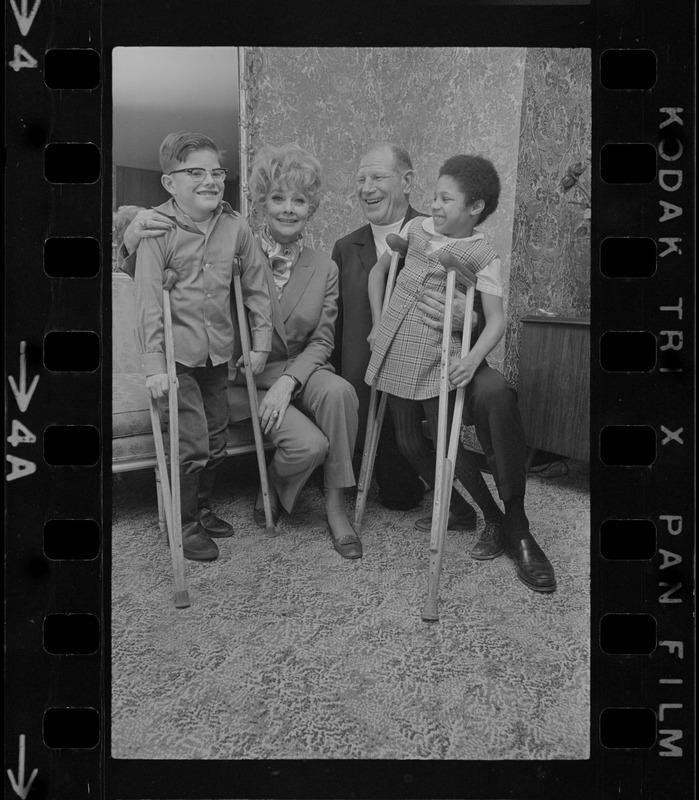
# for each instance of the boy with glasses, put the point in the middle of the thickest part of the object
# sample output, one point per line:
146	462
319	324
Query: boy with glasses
204	236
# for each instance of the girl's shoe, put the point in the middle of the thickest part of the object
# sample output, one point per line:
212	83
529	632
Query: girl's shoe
490	544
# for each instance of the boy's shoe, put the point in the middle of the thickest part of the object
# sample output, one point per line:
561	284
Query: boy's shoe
196	543
467	522
198	546
214	526
490	544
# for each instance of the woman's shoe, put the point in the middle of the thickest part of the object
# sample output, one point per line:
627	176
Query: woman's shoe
258	512
349	545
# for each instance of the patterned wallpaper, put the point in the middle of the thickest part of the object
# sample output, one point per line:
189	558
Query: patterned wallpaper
435	101
526	110
550	252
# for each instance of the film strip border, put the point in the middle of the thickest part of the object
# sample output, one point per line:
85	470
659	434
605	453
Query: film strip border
642	420
642	423
54	356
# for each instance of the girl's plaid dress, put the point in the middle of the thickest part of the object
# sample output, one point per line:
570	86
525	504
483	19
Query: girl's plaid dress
406	357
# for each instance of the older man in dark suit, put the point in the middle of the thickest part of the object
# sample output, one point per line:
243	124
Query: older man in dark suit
384	181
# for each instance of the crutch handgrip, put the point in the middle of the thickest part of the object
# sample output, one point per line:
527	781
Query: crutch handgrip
397	244
236	266
450	262
169	279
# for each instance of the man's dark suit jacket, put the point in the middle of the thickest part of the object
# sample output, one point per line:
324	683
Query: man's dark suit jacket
355	255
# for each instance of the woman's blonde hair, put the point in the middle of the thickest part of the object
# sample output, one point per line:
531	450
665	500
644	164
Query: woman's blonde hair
288	166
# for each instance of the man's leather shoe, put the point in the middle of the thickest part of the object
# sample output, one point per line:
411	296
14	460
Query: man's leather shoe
467	522
214	526
197	546
531	565
348	546
490	543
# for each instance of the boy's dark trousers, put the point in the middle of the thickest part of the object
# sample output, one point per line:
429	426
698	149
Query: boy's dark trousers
202	404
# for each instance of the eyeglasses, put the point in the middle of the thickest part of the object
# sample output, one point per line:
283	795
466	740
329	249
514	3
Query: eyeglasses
198	174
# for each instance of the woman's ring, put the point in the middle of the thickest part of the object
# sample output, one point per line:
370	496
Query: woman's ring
144	223
275	413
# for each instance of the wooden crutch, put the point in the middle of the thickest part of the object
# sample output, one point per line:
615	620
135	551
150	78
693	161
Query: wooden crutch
444	473
399	246
170	487
270	528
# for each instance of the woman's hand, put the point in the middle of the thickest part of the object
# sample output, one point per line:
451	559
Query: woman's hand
147	224
258	359
371	338
157	385
462	370
276	401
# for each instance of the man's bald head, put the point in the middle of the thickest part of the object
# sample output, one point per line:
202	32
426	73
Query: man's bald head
401	157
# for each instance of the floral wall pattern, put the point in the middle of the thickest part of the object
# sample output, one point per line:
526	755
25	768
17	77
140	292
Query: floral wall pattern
526	110
434	101
550	242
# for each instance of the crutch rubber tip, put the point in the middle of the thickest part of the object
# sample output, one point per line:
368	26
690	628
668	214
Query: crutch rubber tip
182	599
271	531
429	611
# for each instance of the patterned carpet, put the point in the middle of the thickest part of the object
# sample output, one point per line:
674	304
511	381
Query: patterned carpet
289	651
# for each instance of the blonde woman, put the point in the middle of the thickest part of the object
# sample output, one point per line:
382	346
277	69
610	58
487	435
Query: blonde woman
306	411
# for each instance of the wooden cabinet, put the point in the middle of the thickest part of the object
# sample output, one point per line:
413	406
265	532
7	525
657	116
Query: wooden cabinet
554	384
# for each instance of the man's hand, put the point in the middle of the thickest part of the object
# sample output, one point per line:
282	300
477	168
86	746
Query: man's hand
157	385
431	305
147	224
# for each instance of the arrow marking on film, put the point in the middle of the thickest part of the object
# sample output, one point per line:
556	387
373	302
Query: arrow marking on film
22	396
24	19
18	785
